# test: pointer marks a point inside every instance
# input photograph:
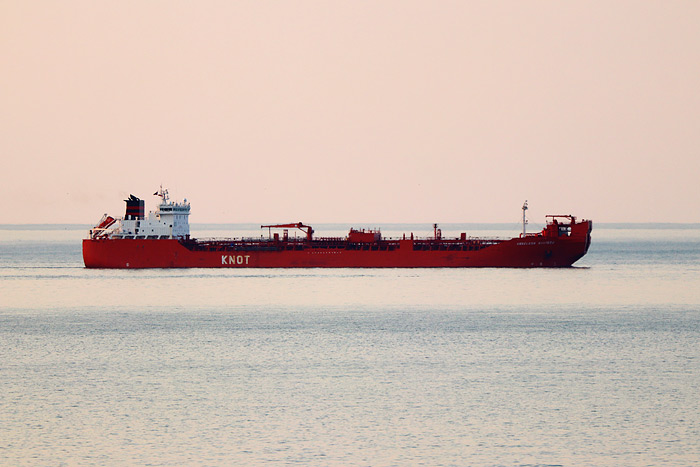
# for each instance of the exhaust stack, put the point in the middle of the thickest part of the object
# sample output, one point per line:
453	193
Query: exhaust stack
135	208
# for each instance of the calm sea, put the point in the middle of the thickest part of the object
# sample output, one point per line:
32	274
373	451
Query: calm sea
588	366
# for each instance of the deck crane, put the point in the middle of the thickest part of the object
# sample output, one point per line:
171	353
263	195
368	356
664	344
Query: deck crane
307	229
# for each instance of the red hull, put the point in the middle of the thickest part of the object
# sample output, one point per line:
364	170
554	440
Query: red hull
547	249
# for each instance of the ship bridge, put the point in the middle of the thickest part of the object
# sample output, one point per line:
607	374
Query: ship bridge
169	220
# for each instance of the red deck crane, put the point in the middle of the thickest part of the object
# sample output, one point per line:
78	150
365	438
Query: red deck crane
307	229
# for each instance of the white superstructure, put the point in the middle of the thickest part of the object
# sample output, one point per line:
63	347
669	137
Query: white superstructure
170	220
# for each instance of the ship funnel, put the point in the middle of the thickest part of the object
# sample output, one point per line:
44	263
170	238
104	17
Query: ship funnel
135	208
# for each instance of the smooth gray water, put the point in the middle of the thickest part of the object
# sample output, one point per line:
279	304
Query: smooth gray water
595	365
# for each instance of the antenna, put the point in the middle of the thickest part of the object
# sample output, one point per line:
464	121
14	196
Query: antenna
163	194
524	218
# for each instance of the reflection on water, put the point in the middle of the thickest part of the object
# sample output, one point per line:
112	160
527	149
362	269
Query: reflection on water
594	365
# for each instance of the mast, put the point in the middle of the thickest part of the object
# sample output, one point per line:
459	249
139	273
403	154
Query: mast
163	194
524	218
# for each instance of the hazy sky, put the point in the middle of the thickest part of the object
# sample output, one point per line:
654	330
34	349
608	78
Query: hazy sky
357	111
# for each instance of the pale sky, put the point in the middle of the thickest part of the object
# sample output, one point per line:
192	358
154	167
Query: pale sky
376	111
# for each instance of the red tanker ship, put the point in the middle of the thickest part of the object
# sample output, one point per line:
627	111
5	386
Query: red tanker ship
162	240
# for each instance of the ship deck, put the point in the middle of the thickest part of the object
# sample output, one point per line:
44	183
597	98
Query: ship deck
339	243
